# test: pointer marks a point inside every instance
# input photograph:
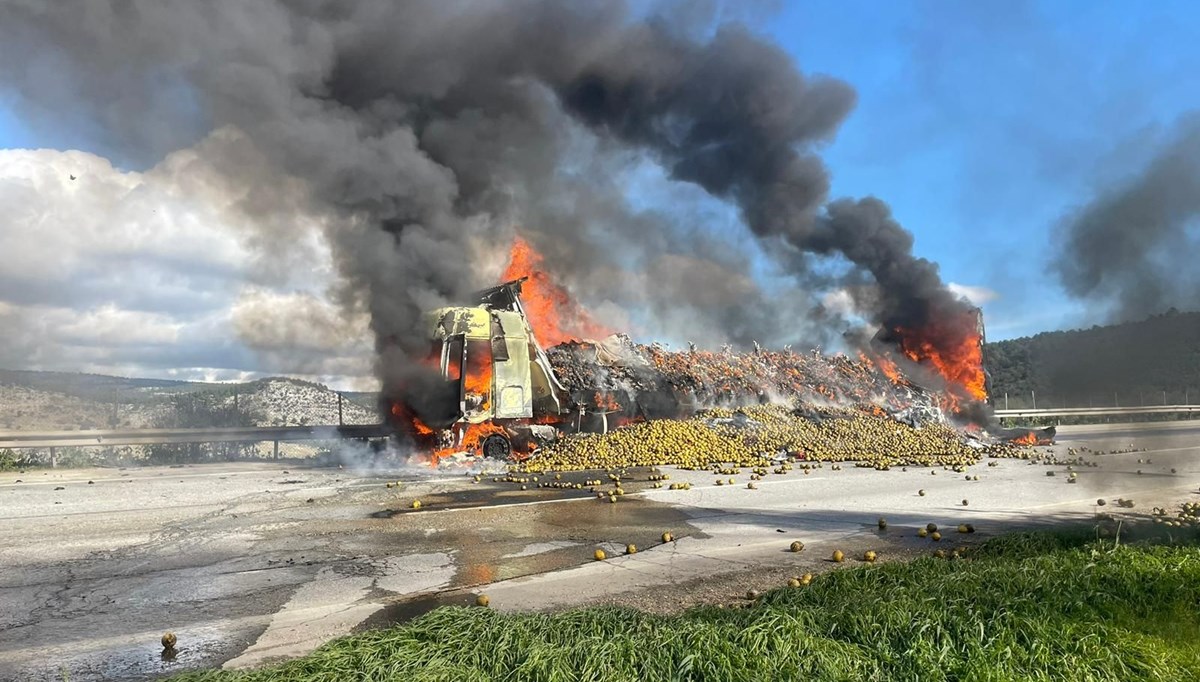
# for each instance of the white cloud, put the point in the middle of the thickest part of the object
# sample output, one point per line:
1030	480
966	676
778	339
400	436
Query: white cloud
208	265
302	333
109	325
975	294
275	320
62	227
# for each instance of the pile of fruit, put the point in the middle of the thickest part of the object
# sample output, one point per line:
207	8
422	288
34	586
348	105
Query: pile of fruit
755	437
854	435
1188	515
659	442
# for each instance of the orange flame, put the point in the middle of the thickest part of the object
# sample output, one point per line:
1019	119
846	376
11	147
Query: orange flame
555	317
478	379
1027	439
1031	438
606	403
884	365
402	415
955	350
470	441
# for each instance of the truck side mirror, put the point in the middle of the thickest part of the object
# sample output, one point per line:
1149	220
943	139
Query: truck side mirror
499	344
499	349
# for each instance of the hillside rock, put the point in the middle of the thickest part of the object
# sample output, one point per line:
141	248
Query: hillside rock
28	403
289	402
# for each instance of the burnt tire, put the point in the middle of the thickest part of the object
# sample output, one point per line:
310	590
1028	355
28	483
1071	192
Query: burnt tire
496	446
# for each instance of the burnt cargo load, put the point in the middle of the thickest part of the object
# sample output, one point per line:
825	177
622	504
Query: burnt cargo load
501	392
651	382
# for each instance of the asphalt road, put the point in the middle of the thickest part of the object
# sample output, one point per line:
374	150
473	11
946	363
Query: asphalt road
249	562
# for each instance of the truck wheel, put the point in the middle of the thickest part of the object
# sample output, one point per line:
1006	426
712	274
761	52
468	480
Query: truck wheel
496	446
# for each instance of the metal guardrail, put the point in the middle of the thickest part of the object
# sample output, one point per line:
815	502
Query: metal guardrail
1097	411
252	434
248	434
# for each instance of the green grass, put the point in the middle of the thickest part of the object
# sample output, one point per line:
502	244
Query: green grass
1044	606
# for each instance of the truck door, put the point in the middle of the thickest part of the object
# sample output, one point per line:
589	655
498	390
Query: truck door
477	372
435	397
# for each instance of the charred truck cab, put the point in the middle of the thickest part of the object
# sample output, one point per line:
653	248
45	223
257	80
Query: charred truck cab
499	387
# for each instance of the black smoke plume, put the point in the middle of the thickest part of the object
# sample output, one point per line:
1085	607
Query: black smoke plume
1131	251
427	130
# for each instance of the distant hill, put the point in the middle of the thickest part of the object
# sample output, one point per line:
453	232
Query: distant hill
1130	364
32	400
95	386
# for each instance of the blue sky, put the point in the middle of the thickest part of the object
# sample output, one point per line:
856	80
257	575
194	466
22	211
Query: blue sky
982	123
13	132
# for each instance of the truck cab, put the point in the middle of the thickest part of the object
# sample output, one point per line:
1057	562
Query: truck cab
495	372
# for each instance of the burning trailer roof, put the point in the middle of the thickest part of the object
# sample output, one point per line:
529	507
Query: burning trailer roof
649	381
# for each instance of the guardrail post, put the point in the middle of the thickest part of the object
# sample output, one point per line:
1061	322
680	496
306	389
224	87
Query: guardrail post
340	423
276	455
53	458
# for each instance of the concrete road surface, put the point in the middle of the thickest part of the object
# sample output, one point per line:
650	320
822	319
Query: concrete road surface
248	563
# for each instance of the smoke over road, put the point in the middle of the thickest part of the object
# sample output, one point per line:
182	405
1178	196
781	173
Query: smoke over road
427	132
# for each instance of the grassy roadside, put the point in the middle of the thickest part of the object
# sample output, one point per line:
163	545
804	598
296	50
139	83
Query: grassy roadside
1049	606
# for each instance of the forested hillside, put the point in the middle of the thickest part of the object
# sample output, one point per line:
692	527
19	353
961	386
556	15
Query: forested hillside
1127	364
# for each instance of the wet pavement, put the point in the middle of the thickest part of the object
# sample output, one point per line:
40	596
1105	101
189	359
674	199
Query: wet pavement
249	563
744	531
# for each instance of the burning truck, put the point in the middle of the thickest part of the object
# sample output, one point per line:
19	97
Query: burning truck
498	385
500	393
503	395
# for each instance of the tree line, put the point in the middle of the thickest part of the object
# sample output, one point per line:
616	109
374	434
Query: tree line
1149	362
